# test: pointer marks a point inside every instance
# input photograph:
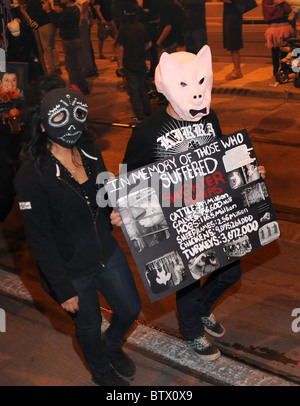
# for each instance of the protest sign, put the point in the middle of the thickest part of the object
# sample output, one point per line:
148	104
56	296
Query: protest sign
194	213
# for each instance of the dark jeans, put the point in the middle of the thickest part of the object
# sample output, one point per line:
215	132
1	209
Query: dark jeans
115	282
76	77
138	93
86	53
194	302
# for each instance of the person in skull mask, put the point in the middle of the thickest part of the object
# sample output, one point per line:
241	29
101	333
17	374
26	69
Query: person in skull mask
69	234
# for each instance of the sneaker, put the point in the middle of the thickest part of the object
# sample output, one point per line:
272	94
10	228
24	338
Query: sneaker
204	349
110	378
122	363
212	326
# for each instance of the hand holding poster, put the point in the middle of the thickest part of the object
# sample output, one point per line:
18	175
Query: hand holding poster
194	213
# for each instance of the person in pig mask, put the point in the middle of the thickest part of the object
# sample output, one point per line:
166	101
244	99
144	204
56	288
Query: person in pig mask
185	123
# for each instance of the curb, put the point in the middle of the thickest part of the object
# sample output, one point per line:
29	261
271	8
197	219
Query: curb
221	372
170	350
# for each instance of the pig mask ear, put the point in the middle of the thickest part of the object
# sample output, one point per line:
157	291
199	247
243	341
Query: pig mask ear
185	79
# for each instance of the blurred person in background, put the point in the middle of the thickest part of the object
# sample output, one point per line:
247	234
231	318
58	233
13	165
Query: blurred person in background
67	20
47	33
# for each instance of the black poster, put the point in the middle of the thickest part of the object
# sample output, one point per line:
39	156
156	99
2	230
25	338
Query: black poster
194	213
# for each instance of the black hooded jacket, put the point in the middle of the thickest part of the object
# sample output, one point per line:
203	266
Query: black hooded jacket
67	236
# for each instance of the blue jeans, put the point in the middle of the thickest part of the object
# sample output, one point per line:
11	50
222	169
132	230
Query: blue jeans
194	302
115	282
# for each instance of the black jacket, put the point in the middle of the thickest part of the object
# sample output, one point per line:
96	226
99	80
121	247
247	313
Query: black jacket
67	239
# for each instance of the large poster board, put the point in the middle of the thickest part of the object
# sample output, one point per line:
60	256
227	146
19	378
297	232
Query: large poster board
193	213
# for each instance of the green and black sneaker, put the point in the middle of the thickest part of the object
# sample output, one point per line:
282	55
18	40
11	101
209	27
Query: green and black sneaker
212	326
204	349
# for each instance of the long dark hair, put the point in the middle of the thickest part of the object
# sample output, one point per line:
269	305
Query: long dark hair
35	144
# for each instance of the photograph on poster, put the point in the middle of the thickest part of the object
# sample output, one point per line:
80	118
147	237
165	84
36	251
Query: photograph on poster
165	272
237	248
243	175
241	166
268	233
143	218
203	264
15	77
254	194
13	81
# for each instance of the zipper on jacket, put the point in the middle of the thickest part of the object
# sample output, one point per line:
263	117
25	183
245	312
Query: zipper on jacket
94	217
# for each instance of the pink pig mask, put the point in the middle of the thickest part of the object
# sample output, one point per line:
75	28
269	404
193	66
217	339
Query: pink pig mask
185	79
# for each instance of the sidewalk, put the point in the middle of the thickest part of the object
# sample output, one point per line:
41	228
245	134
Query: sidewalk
257	81
259	348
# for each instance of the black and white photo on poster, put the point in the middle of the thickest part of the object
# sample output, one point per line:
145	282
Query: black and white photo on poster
165	272
194	213
143	219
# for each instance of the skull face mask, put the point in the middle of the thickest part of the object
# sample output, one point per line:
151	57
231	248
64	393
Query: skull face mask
185	79
64	113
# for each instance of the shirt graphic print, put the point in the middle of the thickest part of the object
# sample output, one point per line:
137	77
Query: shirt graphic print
180	136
